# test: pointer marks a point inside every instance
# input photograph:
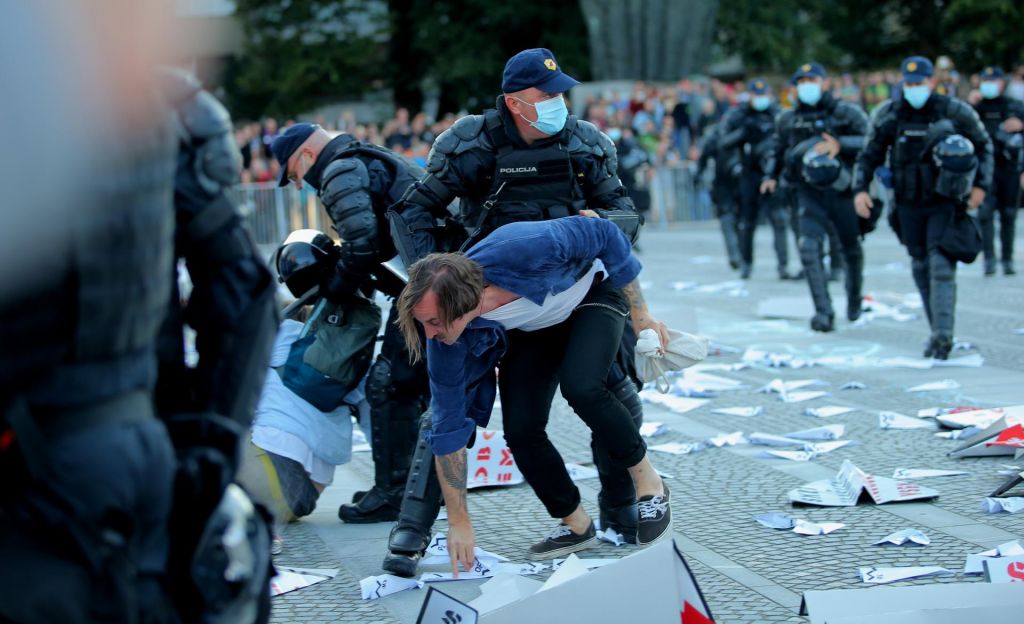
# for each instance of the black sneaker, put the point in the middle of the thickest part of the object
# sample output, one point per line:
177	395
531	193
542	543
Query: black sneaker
655	517
562	541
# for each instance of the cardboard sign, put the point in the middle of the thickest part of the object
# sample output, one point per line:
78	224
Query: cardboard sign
440	608
490	463
916	604
1005	570
983	444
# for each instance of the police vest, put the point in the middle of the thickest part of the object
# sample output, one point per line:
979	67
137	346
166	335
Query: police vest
912	169
993	113
528	184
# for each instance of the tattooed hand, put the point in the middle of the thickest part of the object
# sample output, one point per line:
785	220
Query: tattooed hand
641	318
451	471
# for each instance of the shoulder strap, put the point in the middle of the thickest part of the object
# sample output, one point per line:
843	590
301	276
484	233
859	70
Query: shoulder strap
495	129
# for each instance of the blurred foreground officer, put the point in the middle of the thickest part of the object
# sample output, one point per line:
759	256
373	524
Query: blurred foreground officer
750	129
724	188
910	131
356	183
1004	121
816	144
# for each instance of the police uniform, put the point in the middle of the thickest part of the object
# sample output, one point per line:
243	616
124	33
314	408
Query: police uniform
501	179
751	132
356	183
818	204
725	194
1004	196
906	136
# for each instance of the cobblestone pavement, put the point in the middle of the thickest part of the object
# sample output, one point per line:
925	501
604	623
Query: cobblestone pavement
748	573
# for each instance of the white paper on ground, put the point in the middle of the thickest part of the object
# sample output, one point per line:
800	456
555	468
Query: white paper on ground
945	384
903	536
853	385
878	576
697	379
677	404
958	434
982	418
827	432
739	411
1004	570
566	570
806	527
847	487
974	563
828	411
895	420
529	568
791	455
924	473
727	439
289	579
374	587
653	429
578	472
1012	504
769	439
780	386
503	589
775	520
479	571
439	547
611	536
677	448
820	448
975	360
799	397
590	564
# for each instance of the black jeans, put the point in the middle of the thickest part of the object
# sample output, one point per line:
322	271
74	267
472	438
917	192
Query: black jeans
577	355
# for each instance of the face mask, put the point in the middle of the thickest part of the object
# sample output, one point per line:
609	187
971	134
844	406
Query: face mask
551	115
615	134
917	95
989	89
809	92
761	102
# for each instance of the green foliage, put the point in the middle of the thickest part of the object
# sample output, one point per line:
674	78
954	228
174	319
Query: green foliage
985	32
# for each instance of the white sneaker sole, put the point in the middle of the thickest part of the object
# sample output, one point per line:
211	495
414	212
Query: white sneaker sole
561	552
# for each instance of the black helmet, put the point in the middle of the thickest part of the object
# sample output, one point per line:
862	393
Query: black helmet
820	170
304	259
957	164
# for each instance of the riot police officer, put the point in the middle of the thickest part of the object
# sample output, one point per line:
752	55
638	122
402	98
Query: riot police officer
1004	121
526	159
907	130
356	183
750	129
724	188
816	144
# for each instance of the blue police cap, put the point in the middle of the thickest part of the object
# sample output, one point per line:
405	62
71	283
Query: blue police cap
285	144
808	70
992	72
758	86
916	69
538	68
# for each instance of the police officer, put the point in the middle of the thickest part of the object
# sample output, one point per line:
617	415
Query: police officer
750	129
816	144
907	130
1004	121
526	159
724	188
356	183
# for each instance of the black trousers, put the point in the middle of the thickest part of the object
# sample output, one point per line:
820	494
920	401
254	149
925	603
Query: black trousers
1002	199
576	355
752	204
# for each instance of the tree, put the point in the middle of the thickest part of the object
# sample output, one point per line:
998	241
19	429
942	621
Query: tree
985	32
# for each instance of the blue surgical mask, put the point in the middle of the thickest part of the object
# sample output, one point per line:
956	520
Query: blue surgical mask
615	134
809	92
989	89
761	102
551	115
917	95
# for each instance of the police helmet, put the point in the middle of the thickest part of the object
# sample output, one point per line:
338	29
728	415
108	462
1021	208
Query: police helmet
304	259
956	162
820	170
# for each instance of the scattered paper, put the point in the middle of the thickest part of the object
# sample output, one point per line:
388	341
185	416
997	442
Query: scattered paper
945	384
776	360
479	571
806	527
820	448
374	587
677	404
895	420
437	553
1012	504
653	429
677	448
792	455
1011	436
1008	570
878	576
828	432
924	473
578	472
501	590
799	397
524	569
903	536
769	439
290	579
775	520
828	411
611	536
565	570
589	564
726	439
851	485
975	563
981	417
958	434
853	385
739	411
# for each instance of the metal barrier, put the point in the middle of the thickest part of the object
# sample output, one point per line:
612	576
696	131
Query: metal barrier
272	212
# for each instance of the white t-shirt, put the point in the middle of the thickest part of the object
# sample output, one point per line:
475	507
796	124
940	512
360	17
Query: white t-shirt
528	316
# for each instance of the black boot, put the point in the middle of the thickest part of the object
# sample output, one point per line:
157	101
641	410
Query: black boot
746	240
732	242
990	266
780	231
1008	268
1007	230
420	505
810	256
617	499
943	303
854	284
922	279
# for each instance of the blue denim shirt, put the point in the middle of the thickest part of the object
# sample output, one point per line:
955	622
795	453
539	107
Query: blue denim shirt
531	259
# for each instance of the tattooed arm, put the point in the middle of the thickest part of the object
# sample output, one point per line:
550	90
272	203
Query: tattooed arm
451	471
640	316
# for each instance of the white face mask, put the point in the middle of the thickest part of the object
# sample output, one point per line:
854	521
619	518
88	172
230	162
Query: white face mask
809	92
551	115
989	89
917	95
